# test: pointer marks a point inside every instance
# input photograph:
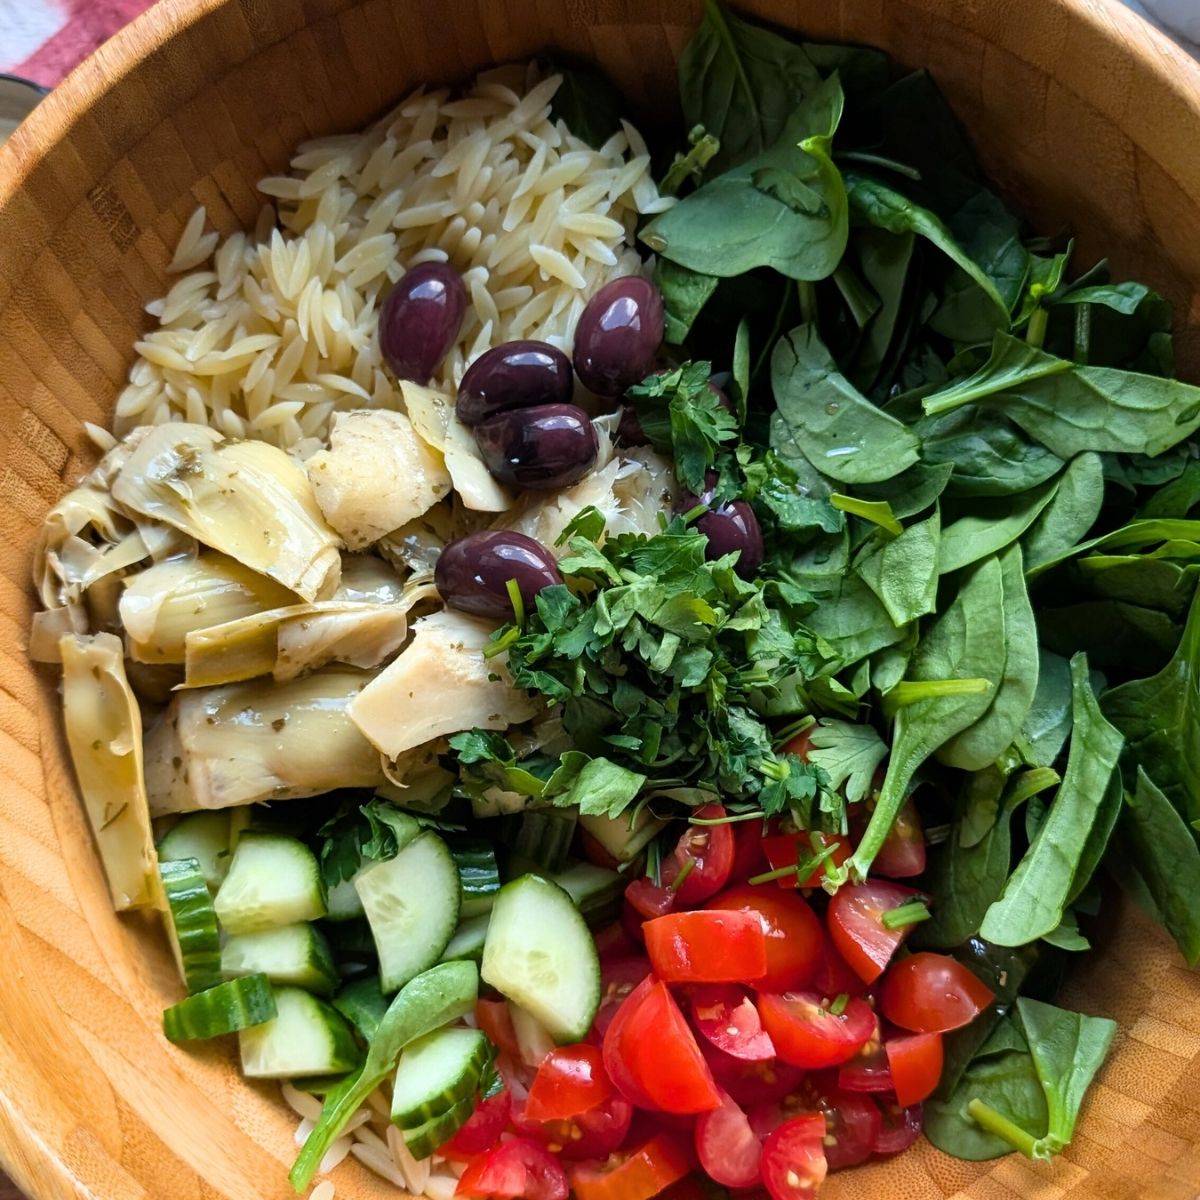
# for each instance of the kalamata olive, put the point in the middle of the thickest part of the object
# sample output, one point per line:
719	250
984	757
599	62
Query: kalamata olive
514	375
545	448
472	573
729	525
618	335
420	320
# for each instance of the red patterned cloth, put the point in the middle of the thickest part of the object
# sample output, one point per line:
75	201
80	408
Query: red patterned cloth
43	40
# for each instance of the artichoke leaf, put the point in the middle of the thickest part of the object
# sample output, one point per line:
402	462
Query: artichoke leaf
104	734
246	743
368	578
247	499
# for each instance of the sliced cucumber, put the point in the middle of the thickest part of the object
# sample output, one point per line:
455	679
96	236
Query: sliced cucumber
203	836
533	1039
289	956
539	953
436	1072
595	890
412	904
272	880
363	1004
623	840
541	837
307	1037
192	924
226	1008
342	902
316	1085
478	874
468	939
427	1138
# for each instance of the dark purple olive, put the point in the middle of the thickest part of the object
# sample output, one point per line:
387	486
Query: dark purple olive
618	335
729	525
420	320
472	573
515	375
545	448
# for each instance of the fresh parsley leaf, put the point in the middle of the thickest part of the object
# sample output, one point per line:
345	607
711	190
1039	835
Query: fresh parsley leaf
356	832
849	754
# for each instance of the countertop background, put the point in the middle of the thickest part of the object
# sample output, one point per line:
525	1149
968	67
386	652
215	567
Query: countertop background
43	40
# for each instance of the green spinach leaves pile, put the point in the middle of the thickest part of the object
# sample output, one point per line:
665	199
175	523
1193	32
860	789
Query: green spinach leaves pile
979	489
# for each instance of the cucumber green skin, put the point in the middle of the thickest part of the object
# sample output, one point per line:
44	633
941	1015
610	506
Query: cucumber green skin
203	836
426	1138
342	1052
363	1003
478	874
317	972
193	922
226	1008
410	1113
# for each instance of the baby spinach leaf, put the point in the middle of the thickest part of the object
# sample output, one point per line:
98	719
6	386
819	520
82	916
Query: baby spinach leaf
848	753
1071	512
785	208
684	294
1067	935
903	571
991	526
741	368
840	432
742	83
986	739
1047	724
1144	580
911	491
1037	892
1067	1049
852	621
588	101
1112	633
884	259
1159	717
1098	837
1160	847
1178	497
966	641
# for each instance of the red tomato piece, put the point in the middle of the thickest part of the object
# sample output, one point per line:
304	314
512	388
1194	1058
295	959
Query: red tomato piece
631	922
915	1064
793	1158
613	941
709	850
495	1020
750	1082
648	899
788	849
748	856
709	946
902	854
570	1080
899	1127
726	1016
801	744
593	1134
868	1070
618	977
851	1128
482	1130
792	930
651	1050
595	851
933	993
637	1175
514	1170
808	1033
856	924
727	1147
834	975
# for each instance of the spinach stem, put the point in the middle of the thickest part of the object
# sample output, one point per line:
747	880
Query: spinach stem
988	1118
910	691
878	160
1035	332
807	294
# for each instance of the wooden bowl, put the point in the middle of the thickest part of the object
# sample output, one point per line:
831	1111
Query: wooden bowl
1088	118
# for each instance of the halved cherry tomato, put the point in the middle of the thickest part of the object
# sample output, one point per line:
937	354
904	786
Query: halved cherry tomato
933	993
751	1082
902	854
868	1070
495	1020
801	744
792	929
899	1127
834	975
652	1050
613	941
648	899
856	924
631	922
808	1033
726	1016
851	1121
727	1147
793	1158
710	946
593	1134
916	1065
570	1080
618	977
513	1170
748	856
637	1175
709	850
788	849
482	1130
596	852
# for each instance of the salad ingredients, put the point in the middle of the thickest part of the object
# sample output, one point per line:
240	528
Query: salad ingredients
421	319
618	336
544	448
522	374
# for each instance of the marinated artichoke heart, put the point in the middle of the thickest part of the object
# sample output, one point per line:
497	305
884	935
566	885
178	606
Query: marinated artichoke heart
161	605
433	418
370	580
440	683
377	475
258	741
248	500
104	734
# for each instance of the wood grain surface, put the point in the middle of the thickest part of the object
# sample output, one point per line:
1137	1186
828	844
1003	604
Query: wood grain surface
1088	118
